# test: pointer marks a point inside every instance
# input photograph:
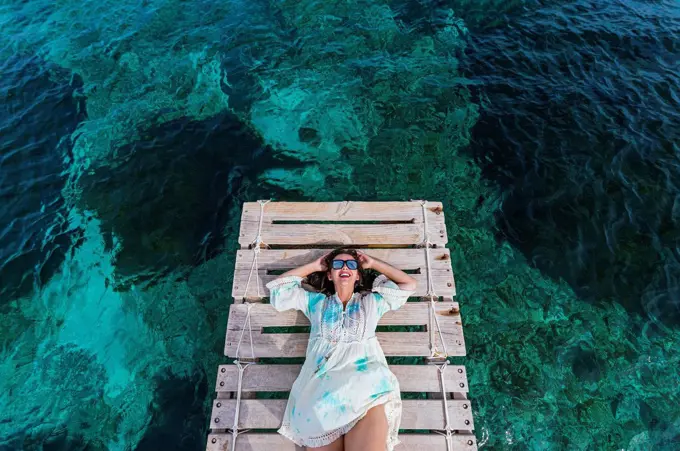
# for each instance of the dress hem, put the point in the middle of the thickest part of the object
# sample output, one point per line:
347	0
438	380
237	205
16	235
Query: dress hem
327	439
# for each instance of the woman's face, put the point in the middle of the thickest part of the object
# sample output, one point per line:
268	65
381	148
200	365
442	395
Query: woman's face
343	276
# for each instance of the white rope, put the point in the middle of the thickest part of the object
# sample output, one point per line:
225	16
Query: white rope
431	293
428	244
241	369
234	429
433	350
243	331
442	369
254	267
447	425
449	439
257	247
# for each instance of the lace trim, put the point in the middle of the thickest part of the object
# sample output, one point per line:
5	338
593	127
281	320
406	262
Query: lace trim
284	281
392	403
393	414
322	440
344	328
379	286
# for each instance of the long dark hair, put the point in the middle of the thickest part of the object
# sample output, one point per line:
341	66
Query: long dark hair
319	281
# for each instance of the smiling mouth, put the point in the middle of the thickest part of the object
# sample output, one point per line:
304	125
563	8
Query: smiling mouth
344	275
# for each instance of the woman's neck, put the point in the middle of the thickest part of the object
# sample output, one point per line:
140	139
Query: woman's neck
345	294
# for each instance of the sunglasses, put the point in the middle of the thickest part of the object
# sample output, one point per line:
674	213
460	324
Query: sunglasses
351	264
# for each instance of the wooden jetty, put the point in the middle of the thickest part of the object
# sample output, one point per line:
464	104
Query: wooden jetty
278	236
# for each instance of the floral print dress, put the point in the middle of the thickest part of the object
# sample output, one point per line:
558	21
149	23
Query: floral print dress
345	372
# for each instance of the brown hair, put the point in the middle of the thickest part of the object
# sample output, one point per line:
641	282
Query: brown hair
320	282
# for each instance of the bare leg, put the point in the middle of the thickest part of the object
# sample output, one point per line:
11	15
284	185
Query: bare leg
370	433
338	445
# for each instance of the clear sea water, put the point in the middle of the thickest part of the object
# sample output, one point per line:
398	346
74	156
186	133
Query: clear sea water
132	130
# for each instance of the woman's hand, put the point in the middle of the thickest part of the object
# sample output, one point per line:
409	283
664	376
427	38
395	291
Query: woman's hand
303	271
320	263
366	261
398	276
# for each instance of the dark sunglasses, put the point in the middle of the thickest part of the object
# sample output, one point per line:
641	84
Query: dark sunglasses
351	264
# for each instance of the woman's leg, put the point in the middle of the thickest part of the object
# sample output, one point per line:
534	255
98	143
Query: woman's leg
338	445
370	433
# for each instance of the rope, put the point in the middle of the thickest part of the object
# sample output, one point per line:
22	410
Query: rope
442	369
243	331
241	369
447	425
431	293
256	245
234	429
428	244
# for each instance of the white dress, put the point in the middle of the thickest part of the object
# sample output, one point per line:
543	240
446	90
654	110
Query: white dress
345	372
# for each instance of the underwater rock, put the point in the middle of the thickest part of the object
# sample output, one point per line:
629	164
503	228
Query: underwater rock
40	107
167	197
178	413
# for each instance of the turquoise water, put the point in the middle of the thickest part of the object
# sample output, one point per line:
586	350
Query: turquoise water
132	131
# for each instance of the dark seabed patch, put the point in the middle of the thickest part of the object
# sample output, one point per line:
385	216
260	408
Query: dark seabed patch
167	196
177	416
581	129
40	107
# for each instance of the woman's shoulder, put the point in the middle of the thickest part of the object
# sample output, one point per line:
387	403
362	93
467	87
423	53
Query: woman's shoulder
312	289
365	296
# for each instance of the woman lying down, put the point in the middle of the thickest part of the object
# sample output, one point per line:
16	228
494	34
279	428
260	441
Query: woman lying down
345	397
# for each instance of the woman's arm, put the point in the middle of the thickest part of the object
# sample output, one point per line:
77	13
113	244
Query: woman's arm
306	269
286	292
398	276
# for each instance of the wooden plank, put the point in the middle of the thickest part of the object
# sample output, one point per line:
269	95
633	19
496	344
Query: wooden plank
341	234
394	344
409	314
263	441
443	282
280	378
285	259
295	344
268	414
344	211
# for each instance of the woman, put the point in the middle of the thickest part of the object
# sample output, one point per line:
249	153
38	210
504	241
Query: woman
345	397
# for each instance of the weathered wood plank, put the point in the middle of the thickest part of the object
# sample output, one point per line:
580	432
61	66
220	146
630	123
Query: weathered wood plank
409	314
340	234
404	259
443	282
280	378
344	211
268	414
392	343
262	441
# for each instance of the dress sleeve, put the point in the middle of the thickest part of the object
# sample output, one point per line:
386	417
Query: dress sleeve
387	294
286	293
